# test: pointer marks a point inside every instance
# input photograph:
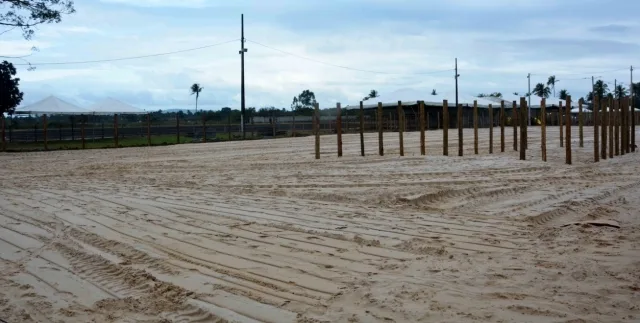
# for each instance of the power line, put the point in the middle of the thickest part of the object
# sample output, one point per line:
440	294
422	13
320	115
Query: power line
587	73
130	57
345	67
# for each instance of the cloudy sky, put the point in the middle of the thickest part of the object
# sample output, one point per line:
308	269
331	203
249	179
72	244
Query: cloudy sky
381	44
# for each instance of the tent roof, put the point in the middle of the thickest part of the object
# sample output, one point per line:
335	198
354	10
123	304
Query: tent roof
51	105
112	106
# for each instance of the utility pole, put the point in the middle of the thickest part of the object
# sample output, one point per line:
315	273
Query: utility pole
457	75
242	51
529	97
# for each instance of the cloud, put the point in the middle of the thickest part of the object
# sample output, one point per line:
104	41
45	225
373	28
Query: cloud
611	28
413	44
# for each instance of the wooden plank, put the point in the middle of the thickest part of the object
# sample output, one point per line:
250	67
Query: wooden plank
543	128
445	128
380	136
616	126
596	129
603	128
204	127
502	123
523	124
560	123
568	135
581	122
339	128
610	117
475	127
148	129
422	117
361	129
316	128
401	128
460	133
490	129
514	121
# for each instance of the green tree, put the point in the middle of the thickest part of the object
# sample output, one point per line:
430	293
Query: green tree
600	88
27	14
196	89
9	87
621	91
563	94
541	90
552	83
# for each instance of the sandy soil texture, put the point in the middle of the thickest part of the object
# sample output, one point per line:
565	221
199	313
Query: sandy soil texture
259	231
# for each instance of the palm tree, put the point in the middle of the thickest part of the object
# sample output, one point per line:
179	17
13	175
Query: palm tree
541	90
196	89
564	93
552	83
621	91
600	88
373	94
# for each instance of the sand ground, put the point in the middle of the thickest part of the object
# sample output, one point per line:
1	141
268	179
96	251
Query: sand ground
261	232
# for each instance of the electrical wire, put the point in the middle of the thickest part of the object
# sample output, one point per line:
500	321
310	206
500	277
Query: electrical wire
345	67
588	73
130	57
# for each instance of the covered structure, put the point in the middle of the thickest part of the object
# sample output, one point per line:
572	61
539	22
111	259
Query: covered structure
113	106
51	105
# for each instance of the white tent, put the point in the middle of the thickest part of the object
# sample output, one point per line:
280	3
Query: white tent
410	96
51	105
113	106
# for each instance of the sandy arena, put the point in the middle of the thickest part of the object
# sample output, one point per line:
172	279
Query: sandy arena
259	231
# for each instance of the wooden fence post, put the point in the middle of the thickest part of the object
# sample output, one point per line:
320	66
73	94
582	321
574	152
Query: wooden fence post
603	128
115	129
422	117
229	126
633	124
380	136
610	120
623	123
316	128
523	125
361	129
445	128
2	132
596	129
490	129
339	127
514	121
560	124
82	132
401	128
502	122
475	127
177	128
581	122
460	133
568	135
616	126
148	129
543	128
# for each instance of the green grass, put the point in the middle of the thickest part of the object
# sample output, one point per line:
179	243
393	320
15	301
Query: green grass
98	143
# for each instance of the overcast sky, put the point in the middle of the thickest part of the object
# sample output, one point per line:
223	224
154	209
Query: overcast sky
497	42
